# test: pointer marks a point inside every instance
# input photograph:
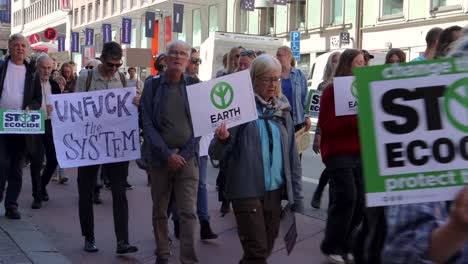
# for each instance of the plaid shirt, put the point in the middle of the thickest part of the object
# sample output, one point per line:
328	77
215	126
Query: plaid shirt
409	233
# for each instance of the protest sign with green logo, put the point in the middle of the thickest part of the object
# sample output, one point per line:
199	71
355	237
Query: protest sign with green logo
228	99
345	95
413	124
21	122
313	103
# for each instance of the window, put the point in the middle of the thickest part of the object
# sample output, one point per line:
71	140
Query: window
267	21
336	12
123	4
76	16
90	12
392	7
243	21
132	3
143	2
114	6
183	36
96	10
196	22
106	7
82	15
143	40
297	13
436	4
213	18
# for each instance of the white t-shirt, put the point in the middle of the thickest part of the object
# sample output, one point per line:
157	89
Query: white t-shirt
13	87
46	90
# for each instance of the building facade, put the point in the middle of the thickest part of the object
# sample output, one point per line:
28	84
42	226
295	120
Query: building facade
404	23
5	26
31	17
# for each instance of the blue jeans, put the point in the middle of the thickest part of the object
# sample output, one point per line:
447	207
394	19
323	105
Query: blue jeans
202	198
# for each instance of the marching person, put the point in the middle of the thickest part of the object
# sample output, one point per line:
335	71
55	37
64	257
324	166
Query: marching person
67	72
328	74
202	198
294	87
104	76
341	152
133	80
245	59
17	92
432	38
263	164
173	152
47	86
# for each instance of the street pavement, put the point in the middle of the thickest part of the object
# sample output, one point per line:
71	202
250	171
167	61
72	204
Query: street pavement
52	234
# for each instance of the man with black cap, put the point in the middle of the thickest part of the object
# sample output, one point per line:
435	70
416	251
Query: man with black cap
367	57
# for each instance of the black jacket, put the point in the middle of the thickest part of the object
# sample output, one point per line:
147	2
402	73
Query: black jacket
54	87
32	95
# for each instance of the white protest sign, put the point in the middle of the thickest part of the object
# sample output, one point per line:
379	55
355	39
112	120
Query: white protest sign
95	127
345	96
229	99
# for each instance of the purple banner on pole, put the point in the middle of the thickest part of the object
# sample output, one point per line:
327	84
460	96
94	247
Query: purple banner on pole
126	30
61	44
75	42
106	33
89	38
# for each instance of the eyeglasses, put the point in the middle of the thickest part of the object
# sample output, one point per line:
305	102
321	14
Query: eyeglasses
248	53
113	65
90	67
175	54
196	61
274	80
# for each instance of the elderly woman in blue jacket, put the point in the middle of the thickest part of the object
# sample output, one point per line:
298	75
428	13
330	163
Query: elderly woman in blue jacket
262	163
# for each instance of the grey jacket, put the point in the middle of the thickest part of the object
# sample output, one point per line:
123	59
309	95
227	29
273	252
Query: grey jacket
241	157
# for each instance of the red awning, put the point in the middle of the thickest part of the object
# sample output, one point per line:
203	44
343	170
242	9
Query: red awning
40	48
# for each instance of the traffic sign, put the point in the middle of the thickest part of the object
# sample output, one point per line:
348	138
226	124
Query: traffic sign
34	38
295	36
50	34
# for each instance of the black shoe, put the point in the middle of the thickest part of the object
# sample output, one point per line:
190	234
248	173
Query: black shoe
107	186
176	229
44	195
162	260
97	199
205	231
12	213
225	208
316	199
128	186
36	204
90	245
124	248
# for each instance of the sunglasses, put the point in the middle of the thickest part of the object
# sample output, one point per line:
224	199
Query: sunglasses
248	53
113	65
89	67
195	61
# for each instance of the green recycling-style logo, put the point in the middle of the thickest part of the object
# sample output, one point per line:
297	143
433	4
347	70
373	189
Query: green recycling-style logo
453	97
354	91
222	95
25	118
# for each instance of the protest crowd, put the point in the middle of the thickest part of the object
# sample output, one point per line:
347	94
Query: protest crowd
259	162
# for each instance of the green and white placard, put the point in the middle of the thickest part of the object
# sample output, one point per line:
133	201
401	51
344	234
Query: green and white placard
313	103
21	122
413	123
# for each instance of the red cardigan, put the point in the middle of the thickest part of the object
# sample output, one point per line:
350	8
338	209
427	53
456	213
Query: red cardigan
339	135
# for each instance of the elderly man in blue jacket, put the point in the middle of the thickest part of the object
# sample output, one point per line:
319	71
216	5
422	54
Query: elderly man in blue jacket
173	152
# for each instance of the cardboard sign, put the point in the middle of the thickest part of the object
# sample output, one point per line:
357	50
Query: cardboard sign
413	124
345	91
95	127
229	99
313	103
21	122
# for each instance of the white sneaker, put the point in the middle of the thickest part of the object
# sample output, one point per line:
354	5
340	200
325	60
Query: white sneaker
349	258
336	259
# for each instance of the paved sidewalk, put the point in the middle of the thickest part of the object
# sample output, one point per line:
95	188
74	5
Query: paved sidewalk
22	243
52	234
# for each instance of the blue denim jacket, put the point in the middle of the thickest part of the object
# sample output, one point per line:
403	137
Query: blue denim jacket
153	107
299	85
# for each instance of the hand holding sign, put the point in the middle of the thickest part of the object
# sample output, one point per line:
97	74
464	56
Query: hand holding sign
221	132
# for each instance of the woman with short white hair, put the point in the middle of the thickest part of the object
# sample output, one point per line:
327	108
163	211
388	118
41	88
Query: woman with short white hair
262	163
